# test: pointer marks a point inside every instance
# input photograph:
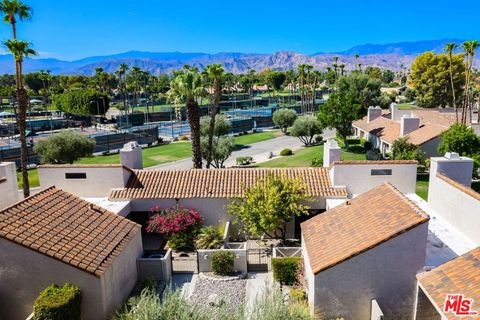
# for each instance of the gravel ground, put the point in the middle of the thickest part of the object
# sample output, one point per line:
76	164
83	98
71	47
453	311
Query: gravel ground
232	292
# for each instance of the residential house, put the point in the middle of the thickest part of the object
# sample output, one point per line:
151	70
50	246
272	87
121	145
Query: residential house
422	127
364	253
460	276
56	237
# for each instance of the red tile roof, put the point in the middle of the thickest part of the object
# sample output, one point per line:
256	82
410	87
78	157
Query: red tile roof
458	276
67	228
365	222
218	183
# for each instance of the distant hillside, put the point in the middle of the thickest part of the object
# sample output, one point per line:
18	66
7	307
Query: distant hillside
401	48
390	56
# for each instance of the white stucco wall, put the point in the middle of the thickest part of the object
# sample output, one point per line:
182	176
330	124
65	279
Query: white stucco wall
309	277
99	181
8	187
24	273
358	179
120	278
458	208
385	273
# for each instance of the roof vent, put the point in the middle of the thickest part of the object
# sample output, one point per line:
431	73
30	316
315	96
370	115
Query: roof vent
452	156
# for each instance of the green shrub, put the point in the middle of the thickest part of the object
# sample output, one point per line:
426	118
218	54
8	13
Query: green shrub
367	145
243	161
222	262
285	270
298	294
316	162
58	303
183	138
83	102
318	138
286	152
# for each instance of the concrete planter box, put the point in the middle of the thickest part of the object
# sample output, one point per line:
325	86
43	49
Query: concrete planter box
159	269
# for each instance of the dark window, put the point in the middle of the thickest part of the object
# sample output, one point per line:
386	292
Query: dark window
75	175
381	172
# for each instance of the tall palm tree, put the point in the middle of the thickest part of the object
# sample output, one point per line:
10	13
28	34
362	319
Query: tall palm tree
121	73
13	10
20	50
45	76
214	75
469	46
449	48
186	88
301	77
357	56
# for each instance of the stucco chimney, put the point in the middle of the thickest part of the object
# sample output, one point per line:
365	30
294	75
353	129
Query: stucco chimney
453	166
8	184
331	152
408	124
373	113
131	155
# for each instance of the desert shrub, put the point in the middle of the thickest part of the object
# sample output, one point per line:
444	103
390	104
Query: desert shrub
178	224
285	270
284	118
222	262
58	303
183	138
64	147
286	152
243	161
298	294
209	238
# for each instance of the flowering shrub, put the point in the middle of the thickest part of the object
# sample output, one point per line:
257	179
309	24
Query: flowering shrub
178	224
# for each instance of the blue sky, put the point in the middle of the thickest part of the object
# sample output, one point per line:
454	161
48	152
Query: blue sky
76	29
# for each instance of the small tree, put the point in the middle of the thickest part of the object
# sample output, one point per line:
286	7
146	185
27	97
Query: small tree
269	205
461	139
64	147
222	148
284	118
306	128
222	126
404	150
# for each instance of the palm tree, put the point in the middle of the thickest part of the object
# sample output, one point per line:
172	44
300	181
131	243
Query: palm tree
449	48
13	9
469	46
20	50
186	88
214	76
121	73
357	56
45	76
301	77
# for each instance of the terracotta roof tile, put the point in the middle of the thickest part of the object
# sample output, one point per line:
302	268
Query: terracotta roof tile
67	228
350	229
458	276
218	183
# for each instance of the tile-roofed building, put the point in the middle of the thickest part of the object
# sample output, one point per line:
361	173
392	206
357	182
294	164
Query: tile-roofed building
222	183
458	276
368	248
372	162
361	224
386	128
67	228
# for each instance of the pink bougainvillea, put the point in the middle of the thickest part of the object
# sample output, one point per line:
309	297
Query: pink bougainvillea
175	223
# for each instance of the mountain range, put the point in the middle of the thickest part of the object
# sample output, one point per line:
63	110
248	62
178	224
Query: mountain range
392	56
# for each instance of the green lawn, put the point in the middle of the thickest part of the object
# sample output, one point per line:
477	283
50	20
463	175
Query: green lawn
406	106
304	157
151	156
32	177
255	137
422	186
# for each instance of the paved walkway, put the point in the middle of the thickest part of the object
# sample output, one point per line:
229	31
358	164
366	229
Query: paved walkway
259	151
256	284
